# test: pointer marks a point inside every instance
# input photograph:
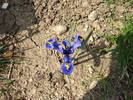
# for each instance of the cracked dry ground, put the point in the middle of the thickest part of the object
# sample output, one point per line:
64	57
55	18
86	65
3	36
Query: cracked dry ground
39	76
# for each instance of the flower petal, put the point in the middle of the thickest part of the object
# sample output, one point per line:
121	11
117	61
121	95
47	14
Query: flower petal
67	68
76	37
71	49
50	43
68	50
53	44
77	44
78	41
65	43
60	49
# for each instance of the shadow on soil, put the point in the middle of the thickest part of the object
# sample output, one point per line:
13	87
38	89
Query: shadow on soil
95	54
19	16
114	86
108	88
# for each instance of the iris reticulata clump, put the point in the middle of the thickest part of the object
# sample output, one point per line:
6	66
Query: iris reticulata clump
67	50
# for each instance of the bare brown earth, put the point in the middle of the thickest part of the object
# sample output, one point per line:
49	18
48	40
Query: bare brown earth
33	22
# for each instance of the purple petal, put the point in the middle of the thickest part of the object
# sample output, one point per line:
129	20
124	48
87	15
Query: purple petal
67	68
78	41
53	44
65	43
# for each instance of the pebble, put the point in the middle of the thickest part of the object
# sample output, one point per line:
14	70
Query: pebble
56	94
96	25
93	84
85	3
30	80
86	26
5	5
66	79
91	39
106	72
118	24
92	16
59	29
33	91
90	69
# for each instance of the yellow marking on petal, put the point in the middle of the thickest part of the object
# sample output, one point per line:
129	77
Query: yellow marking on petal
71	56
50	43
67	66
81	39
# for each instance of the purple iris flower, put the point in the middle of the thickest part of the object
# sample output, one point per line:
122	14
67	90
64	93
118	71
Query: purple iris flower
67	51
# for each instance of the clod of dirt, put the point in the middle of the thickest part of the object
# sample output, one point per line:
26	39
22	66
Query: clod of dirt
59	29
92	16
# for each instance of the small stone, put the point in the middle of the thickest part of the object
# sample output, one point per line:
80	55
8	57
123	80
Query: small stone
106	72
56	94
101	19
91	39
92	16
72	81
90	69
96	25
112	6
30	80
122	9
93	84
66	79
85	28
11	47
4	6
59	29
33	91
85	3
118	24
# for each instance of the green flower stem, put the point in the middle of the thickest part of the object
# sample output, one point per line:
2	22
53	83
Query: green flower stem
73	28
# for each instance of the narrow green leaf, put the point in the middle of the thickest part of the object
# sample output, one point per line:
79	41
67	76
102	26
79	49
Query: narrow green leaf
1	47
8	82
2	91
73	28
